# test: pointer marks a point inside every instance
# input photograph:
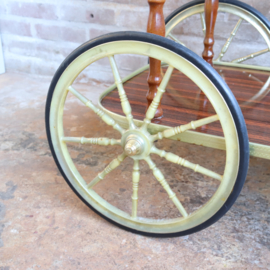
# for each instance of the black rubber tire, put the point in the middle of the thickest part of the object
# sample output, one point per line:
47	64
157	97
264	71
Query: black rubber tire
209	72
231	2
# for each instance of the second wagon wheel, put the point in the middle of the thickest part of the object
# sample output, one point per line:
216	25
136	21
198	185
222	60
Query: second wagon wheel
237	23
138	142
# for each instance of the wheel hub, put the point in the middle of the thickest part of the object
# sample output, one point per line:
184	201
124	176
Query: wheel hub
134	145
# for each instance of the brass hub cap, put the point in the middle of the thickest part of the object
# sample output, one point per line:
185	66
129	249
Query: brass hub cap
133	146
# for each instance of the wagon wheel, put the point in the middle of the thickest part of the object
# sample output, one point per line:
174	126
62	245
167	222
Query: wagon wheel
248	21
138	144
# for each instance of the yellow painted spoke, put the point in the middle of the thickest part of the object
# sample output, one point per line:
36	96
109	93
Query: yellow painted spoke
203	22
255	78
122	94
114	164
160	177
106	118
252	55
229	40
98	141
155	103
180	129
176	39
261	94
135	182
183	162
239	65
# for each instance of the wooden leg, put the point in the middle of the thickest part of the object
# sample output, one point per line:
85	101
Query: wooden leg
156	25
211	9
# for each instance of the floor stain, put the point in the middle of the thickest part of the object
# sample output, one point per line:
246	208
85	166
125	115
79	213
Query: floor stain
7	195
2	215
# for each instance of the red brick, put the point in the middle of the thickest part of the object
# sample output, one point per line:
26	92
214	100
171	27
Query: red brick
94	32
32	65
100	16
135	20
54	32
128	2
17	28
131	62
87	14
39	48
171	4
74	13
3	9
17	64
44	67
34	10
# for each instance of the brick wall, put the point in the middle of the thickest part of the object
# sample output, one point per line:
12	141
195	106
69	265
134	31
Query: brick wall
38	35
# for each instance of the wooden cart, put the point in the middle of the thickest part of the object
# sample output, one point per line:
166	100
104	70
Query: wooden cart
197	107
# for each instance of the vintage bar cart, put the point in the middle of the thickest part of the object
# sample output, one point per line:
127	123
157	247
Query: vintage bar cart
185	83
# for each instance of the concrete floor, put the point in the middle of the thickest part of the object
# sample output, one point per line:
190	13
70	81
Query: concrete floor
44	225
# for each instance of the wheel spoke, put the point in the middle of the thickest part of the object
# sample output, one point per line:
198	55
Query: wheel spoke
135	181
203	22
185	163
113	165
229	40
239	65
106	118
255	78
98	141
155	102
261	94
180	129
252	55
122	94
174	38
160	177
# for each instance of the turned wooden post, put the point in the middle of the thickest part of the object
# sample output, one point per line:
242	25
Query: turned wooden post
156	25
210	9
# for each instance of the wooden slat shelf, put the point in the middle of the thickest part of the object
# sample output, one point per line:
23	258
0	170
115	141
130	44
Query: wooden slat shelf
183	101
